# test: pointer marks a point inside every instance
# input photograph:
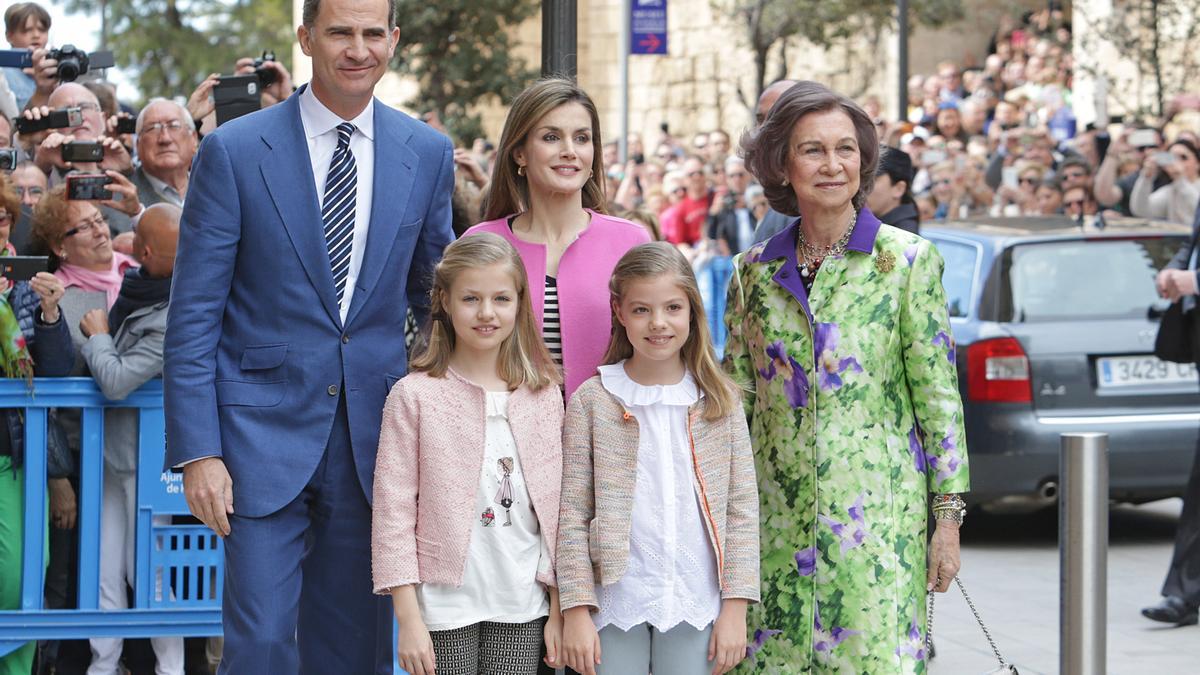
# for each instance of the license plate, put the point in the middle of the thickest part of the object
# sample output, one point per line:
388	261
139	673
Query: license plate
1135	371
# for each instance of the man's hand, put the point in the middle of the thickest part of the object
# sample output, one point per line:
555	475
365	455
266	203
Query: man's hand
95	322
45	73
280	89
209	492
116	156
200	104
62	503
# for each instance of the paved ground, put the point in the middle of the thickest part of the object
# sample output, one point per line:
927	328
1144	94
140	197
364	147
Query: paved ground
1010	567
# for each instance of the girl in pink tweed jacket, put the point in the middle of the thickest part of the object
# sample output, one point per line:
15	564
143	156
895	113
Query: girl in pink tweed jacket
658	530
467	477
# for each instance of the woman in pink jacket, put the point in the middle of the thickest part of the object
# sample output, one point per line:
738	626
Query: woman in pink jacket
547	198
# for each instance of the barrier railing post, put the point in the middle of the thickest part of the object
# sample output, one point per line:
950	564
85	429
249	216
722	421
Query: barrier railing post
1083	551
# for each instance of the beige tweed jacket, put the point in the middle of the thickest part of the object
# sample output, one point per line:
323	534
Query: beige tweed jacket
600	447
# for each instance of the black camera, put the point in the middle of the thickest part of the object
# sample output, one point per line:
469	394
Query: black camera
73	61
266	76
8	159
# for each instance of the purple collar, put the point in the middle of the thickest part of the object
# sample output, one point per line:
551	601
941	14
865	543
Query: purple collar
862	239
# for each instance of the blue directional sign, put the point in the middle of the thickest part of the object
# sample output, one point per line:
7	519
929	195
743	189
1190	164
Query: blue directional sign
648	27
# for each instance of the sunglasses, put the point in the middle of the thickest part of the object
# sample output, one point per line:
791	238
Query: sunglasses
1027	181
1073	175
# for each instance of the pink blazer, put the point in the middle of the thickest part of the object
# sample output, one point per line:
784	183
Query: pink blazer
427	473
583	274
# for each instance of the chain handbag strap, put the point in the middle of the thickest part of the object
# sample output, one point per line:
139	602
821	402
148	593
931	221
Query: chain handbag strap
978	619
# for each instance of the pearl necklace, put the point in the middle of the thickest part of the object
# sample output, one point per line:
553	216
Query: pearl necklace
811	255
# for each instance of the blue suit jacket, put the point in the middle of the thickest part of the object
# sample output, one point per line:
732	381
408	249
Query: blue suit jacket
256	353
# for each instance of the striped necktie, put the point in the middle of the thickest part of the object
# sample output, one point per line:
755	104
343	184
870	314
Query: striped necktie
338	208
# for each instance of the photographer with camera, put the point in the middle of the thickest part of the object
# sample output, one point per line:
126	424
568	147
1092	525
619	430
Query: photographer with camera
1175	201
275	78
52	152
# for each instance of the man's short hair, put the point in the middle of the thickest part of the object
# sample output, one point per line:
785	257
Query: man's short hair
16	16
312	7
184	115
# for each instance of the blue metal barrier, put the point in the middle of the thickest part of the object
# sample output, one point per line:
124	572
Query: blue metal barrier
185	562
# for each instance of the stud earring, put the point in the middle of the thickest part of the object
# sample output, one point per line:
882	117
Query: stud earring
785	182
520	170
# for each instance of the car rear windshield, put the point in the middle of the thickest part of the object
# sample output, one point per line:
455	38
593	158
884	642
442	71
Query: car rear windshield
1083	279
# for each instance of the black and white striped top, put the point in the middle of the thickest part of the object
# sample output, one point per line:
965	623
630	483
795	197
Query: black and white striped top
551	328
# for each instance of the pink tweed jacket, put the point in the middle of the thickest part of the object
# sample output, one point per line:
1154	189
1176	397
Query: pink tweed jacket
427	473
584	314
600	447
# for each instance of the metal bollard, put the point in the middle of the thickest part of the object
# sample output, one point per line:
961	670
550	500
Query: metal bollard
1083	551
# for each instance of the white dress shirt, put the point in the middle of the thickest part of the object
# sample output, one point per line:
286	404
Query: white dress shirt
320	128
672	572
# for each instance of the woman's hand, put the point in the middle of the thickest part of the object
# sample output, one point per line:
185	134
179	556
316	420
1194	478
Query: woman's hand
62	503
727	646
118	184
49	289
1150	167
581	642
943	556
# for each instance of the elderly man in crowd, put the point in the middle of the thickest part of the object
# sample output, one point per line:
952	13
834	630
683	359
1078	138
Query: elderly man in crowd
166	143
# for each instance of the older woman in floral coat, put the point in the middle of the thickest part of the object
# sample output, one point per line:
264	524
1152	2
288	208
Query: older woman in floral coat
838	327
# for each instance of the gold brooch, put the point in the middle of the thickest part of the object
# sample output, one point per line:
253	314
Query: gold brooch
885	262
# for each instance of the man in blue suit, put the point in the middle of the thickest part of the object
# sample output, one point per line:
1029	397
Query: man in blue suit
308	230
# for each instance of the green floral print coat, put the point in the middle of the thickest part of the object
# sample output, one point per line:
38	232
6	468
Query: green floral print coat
855	418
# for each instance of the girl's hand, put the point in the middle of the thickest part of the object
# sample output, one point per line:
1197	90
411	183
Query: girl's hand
554	637
727	646
414	648
581	642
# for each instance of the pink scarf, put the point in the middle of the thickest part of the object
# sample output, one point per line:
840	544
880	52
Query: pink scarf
108	281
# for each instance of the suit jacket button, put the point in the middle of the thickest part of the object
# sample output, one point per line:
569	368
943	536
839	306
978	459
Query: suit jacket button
345	339
333	390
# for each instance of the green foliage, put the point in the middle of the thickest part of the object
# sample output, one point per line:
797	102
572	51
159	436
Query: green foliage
774	24
459	51
1161	38
170	46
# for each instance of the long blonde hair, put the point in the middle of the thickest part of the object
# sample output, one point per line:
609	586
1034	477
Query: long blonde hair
656	259
524	358
508	192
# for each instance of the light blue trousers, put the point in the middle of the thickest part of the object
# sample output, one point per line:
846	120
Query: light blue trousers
683	650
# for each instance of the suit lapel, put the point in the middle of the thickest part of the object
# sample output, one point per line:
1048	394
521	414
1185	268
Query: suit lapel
395	167
287	171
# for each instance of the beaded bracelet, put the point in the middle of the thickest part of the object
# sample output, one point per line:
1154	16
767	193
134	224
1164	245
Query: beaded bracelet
949	507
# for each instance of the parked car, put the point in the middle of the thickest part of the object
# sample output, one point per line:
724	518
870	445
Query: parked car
1055	332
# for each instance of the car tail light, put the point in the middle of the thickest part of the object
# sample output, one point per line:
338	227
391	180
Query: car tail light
998	372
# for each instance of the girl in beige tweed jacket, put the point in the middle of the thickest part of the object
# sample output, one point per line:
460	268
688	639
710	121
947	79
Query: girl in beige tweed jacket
649	557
